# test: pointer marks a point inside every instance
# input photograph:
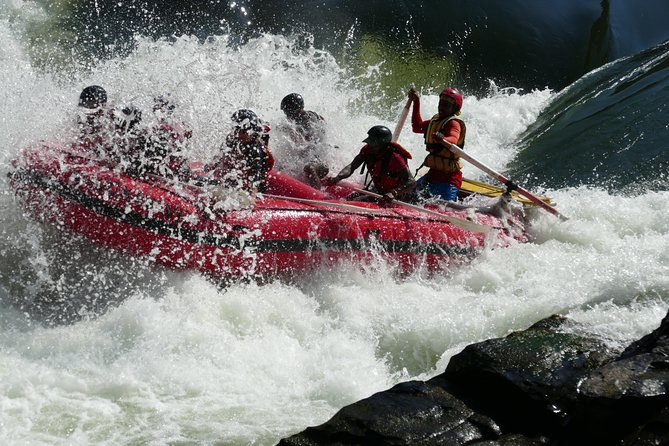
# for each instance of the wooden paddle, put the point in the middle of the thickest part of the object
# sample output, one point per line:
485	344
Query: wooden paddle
402	120
350	207
504	180
456	221
488	190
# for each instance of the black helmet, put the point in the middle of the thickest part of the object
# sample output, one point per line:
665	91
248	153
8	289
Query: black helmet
93	96
380	134
292	103
127	117
246	119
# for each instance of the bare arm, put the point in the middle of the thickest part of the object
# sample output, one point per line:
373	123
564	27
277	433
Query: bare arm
348	170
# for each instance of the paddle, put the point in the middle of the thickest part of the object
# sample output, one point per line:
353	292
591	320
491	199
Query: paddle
402	120
351	207
459	222
504	180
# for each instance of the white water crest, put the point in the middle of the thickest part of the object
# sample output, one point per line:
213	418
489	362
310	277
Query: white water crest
176	360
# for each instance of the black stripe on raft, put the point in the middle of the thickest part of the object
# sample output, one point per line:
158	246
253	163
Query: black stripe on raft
166	229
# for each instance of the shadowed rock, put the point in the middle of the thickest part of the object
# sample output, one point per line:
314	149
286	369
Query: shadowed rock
526	381
628	392
411	413
551	384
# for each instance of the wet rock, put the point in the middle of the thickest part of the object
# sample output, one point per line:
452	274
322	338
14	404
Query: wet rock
656	342
512	440
629	394
527	381
551	384
411	413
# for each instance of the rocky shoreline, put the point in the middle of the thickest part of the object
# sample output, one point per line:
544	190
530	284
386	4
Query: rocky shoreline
551	384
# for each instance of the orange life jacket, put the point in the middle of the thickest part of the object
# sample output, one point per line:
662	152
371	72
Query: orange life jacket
440	158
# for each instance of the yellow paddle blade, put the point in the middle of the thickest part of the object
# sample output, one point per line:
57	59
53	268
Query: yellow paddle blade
488	190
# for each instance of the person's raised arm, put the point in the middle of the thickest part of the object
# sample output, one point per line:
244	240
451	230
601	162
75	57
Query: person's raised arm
416	119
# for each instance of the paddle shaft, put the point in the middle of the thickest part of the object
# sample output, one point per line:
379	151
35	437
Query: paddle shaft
501	178
459	222
402	120
350	207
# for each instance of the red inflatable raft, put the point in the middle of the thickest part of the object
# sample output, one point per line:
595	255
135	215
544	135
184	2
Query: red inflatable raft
290	229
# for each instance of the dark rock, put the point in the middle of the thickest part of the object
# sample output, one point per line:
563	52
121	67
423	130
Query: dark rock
410	413
512	440
655	342
627	393
654	432
548	385
526	381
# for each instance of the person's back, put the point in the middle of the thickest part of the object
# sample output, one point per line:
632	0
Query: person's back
171	131
130	142
310	125
386	166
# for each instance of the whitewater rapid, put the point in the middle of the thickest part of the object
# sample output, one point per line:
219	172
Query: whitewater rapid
179	360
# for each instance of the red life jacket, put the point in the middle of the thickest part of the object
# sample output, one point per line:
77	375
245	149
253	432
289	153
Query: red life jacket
378	166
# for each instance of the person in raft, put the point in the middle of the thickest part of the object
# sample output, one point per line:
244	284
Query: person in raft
309	135
169	137
245	157
130	148
386	163
94	120
444	176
